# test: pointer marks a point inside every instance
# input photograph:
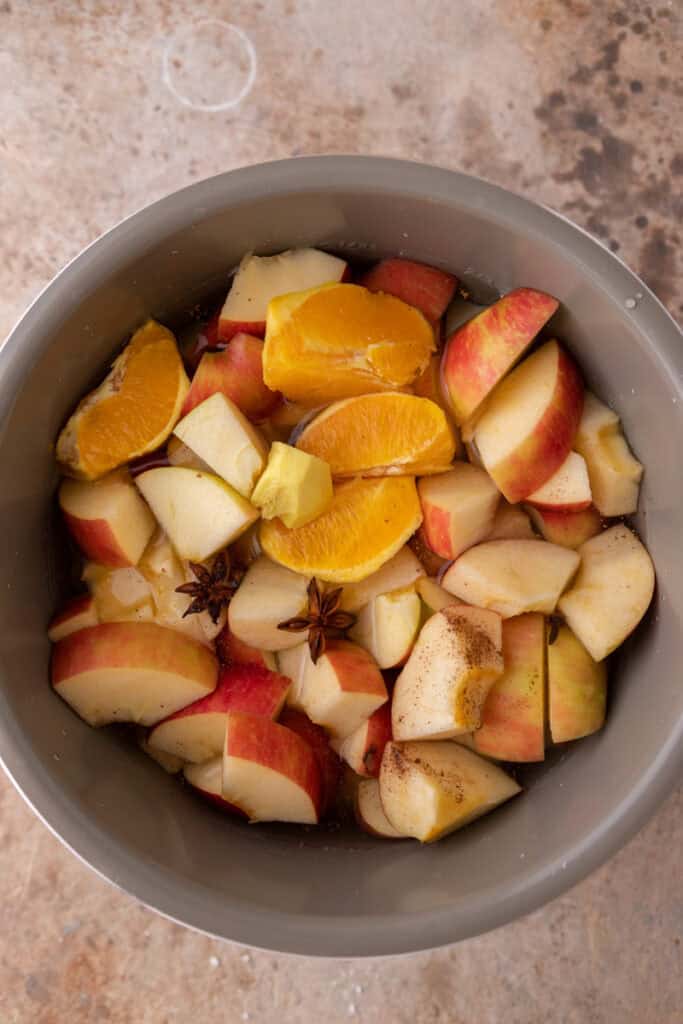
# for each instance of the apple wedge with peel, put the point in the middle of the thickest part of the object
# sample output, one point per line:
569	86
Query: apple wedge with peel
261	278
569	529
236	372
207	780
343	688
567	490
511	523
512	576
268	595
200	512
331	768
433	596
76	614
232	651
363	749
430	789
428	289
370	813
294	663
178	454
612	590
169	762
131	672
529	424
577	688
107	518
615	474
400	572
513	718
387	627
432	564
120	595
444	684
481	351
269	771
458	508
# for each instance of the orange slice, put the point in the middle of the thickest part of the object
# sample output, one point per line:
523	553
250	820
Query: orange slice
380	435
340	340
133	410
367	522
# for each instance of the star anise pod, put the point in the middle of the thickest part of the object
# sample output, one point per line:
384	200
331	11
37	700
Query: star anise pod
323	620
214	587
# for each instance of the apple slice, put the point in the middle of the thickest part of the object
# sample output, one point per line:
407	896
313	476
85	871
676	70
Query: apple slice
230	650
511	523
513	719
612	590
570	529
343	688
512	576
400	572
196	732
268	595
261	278
207	780
200	512
237	373
430	789
614	472
169	762
295	487
120	595
370	813
387	627
178	454
108	519
528	427
428	289
567	490
76	614
577	689
434	597
294	663
269	771
442	689
458	508
432	563
481	351
331	768
131	672
164	572
225	439
363	749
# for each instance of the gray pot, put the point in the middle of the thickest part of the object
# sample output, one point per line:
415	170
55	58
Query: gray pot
319	892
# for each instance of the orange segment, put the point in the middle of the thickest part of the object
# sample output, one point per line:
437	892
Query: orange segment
367	522
340	340
133	410
379	435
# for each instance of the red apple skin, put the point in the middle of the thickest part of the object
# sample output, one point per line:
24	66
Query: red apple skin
424	287
97	541
432	563
480	353
330	765
377	737
237	372
82	606
570	529
231	651
247	688
206	338
355	668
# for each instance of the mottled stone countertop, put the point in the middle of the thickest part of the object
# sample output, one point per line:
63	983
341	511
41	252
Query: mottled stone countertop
109	104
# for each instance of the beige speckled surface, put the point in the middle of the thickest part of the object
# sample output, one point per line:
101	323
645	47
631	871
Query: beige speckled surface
108	105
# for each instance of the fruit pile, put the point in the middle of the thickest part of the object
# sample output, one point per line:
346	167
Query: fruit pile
345	557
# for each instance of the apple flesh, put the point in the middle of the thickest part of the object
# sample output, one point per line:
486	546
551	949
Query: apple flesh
426	288
294	663
577	689
331	768
400	572
169	762
120	595
108	519
567	490
269	771
511	523
387	627
295	487
443	686
178	454
513	718
207	780
529	424
76	614
611	592
430	789
232	651
370	813
343	688
433	596
512	576
481	351
432	564
261	278
236	372
614	473
363	749
458	508
131	672
570	529
268	595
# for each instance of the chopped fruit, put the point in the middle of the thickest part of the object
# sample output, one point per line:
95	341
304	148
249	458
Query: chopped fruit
261	278
269	594
387	627
511	523
232	651
362	750
295	487
340	340
567	490
207	780
237	373
200	512
432	564
370	813
76	614
434	596
430	789
570	529
294	663
513	718
512	576
209	589
178	454
322	620
165	572
611	592
528	426
614	472
428	289
343	688
197	732
130	672
169	762
269	771
381	434
132	412
367	522
284	420
577	688
108	519
400	572
330	766
223	438
458	509
481	351
442	689
120	595
197	339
